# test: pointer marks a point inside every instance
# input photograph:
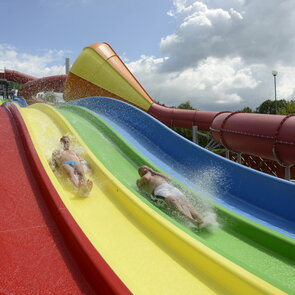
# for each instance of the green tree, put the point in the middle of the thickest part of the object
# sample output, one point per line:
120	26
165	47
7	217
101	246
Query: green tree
247	110
270	106
185	106
288	109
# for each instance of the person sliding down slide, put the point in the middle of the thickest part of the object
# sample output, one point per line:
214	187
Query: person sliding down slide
70	163
157	184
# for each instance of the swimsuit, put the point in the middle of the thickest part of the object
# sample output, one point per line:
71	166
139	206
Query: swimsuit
71	163
165	190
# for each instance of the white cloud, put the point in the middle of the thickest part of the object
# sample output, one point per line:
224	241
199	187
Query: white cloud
35	65
213	82
222	53
219	57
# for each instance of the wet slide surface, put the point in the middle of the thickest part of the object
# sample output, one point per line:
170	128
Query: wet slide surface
147	251
262	198
34	258
239	239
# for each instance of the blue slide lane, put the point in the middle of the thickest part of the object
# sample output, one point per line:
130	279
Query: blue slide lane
20	101
262	198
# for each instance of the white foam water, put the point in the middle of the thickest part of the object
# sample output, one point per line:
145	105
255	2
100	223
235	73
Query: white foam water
208	183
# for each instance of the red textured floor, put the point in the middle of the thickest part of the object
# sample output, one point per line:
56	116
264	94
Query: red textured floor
33	257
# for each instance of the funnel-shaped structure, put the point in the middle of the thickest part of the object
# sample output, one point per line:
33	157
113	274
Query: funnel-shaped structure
99	71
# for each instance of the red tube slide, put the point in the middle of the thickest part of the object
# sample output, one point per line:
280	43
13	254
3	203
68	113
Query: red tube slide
51	83
268	136
15	76
182	118
32	85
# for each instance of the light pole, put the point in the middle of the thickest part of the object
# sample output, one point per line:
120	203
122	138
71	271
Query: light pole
67	65
274	73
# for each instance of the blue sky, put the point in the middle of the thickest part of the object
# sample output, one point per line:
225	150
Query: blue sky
132	27
216	54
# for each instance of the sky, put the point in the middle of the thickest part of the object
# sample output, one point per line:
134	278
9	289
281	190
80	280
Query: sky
216	54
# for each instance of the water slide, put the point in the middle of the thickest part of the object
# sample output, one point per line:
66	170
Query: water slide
34	257
145	248
260	197
32	85
253	246
149	251
99	71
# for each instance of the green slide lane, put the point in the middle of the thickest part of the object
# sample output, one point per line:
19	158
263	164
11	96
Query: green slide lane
267	254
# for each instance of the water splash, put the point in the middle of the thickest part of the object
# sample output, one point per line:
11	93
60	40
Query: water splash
211	181
210	184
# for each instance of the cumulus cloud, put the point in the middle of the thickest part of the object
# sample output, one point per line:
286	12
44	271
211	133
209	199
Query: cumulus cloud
213	82
251	29
35	65
219	57
222	53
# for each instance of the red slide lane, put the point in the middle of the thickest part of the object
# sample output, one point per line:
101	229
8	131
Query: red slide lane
34	257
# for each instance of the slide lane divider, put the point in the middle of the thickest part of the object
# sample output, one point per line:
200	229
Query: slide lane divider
96	270
212	256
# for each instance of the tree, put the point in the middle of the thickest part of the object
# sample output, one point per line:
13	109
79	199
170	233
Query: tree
247	110
270	106
185	106
289	108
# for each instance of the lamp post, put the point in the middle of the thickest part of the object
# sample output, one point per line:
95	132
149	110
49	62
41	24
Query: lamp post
67	65
274	73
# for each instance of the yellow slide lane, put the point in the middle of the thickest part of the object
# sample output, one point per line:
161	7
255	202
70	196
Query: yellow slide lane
147	252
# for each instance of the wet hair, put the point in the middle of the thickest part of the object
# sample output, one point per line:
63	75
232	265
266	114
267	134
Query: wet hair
63	138
140	170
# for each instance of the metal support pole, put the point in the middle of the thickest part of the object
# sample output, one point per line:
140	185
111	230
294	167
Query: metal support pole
227	153
195	134
67	65
288	172
239	158
275	84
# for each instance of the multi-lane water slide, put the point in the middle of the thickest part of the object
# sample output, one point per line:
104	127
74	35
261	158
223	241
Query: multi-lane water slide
149	251
240	257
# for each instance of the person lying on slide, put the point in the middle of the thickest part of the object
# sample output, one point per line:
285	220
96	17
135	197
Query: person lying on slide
70	163
157	184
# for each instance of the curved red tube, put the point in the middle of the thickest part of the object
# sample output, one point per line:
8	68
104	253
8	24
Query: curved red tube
51	83
268	136
17	77
182	118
